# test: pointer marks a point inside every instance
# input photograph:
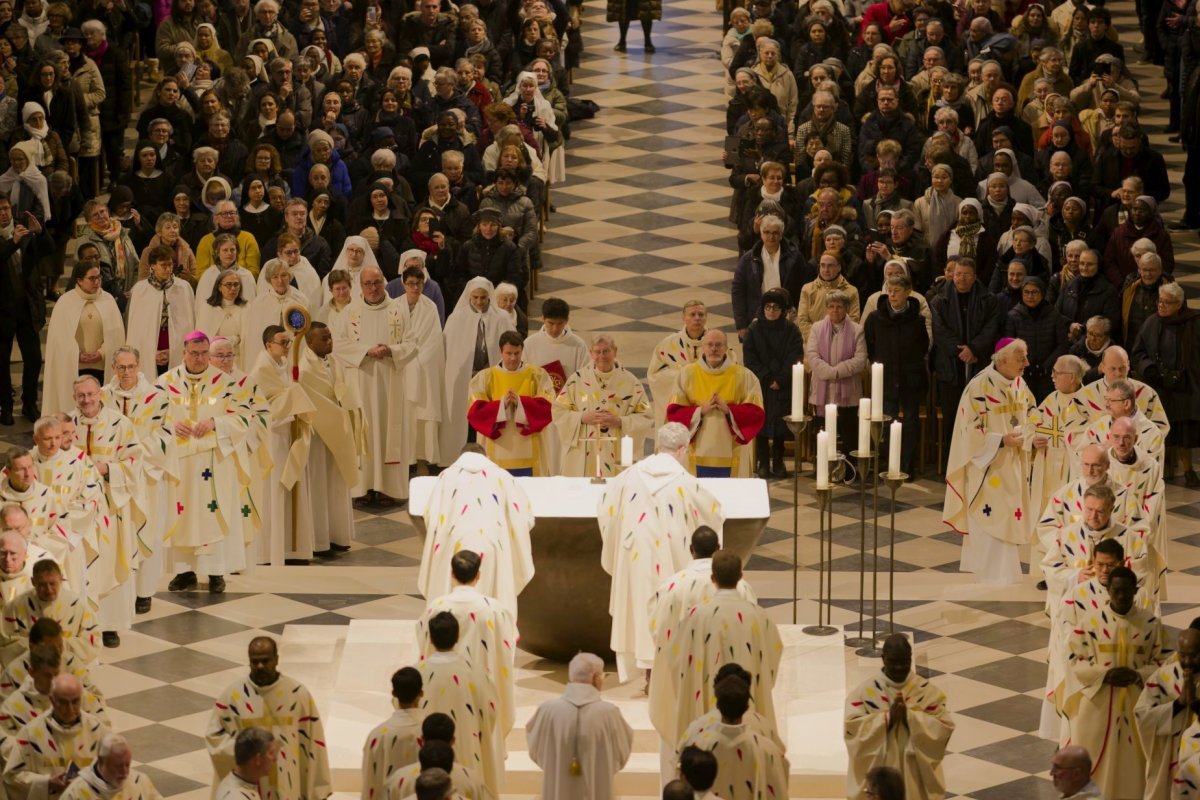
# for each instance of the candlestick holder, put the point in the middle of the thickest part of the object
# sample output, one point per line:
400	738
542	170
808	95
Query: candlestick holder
893	480
863	459
870	648
825	567
797	426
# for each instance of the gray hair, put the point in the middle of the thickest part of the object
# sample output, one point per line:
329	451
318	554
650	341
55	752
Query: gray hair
671	437
383	159
85	379
111	742
837	296
946	112
94	25
46	422
584	667
8	510
1173	291
1010	349
604	338
1073	364
1101	322
127	348
1143	245
506	289
1076	245
1150	258
770	220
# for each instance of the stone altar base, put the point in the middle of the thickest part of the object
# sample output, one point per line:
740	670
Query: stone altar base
349	669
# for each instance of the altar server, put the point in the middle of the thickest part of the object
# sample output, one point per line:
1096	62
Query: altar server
510	407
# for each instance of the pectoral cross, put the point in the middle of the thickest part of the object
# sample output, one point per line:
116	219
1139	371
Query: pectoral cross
193	401
1054	432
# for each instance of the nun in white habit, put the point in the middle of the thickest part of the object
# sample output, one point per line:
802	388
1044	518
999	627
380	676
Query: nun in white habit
472	338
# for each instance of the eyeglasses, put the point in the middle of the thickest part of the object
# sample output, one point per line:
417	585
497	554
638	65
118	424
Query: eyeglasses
281	342
372	283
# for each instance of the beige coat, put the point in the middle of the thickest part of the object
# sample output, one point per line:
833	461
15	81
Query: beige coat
91	86
812	302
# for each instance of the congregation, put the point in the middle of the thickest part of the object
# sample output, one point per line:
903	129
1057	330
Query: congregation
313	278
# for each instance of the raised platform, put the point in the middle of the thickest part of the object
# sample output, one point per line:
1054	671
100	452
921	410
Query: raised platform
349	671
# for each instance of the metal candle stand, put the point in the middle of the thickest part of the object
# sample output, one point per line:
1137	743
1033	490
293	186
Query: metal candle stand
796	425
894	482
867	646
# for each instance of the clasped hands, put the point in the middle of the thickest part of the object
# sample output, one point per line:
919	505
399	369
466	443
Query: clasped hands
714	402
195	430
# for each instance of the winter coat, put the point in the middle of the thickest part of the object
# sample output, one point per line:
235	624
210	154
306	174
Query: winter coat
899	342
770	349
1086	298
1170	345
516	212
91	85
1044	330
1118	260
646	9
748	278
979	331
495	259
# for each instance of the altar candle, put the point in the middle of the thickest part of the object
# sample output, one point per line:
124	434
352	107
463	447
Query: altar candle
894	449
877	391
798	390
822	459
626	451
831	425
864	426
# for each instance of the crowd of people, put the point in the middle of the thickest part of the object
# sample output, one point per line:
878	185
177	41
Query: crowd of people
311	280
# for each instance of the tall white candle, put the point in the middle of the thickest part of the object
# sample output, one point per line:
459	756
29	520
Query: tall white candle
626	451
864	426
798	390
894	449
822	460
877	391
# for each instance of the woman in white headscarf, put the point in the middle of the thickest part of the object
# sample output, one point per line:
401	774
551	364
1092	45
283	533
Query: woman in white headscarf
537	114
356	254
472	338
24	184
268	307
1024	214
1005	162
937	210
49	154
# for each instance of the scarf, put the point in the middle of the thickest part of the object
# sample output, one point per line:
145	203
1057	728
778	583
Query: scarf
822	390
114	235
425	242
12	181
38	134
97	55
484	47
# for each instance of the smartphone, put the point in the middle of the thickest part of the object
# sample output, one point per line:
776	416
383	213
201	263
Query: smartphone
189	70
373	14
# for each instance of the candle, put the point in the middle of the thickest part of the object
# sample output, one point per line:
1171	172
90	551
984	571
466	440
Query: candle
894	449
822	460
864	426
798	390
626	451
877	391
831	427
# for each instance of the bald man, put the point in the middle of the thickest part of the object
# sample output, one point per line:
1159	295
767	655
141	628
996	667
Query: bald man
720	402
43	751
376	338
1114	366
1065	505
1071	772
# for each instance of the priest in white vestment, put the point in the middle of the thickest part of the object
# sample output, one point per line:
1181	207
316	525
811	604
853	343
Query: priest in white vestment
1058	423
255	753
1114	648
19	485
132	396
339	439
110	776
270	700
395	742
673	353
111	442
647	515
425	375
1121	399
206	415
48	751
47	598
987	476
691	586
85	328
78	502
472	338
268	308
466	691
438	742
580	740
601	403
304	275
898	719
1141	494
375	338
727	629
1071	773
1114	366
1164	710
750	764
17	557
486	632
287	501
475	505
1068	561
162	310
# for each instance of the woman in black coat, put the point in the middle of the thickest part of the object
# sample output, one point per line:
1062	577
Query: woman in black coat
487	254
1043	330
900	341
773	344
1167	356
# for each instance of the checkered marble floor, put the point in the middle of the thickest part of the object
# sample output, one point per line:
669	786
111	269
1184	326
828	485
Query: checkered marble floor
641	228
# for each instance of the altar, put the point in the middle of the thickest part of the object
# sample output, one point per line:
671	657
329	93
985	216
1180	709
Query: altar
564	609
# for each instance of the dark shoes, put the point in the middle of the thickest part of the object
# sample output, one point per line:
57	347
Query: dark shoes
762	471
142	605
111	639
31	412
339	548
1042	585
182	582
216	584
649	48
620	48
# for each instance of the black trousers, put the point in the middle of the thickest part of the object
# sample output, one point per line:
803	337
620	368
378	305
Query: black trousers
948	396
29	342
